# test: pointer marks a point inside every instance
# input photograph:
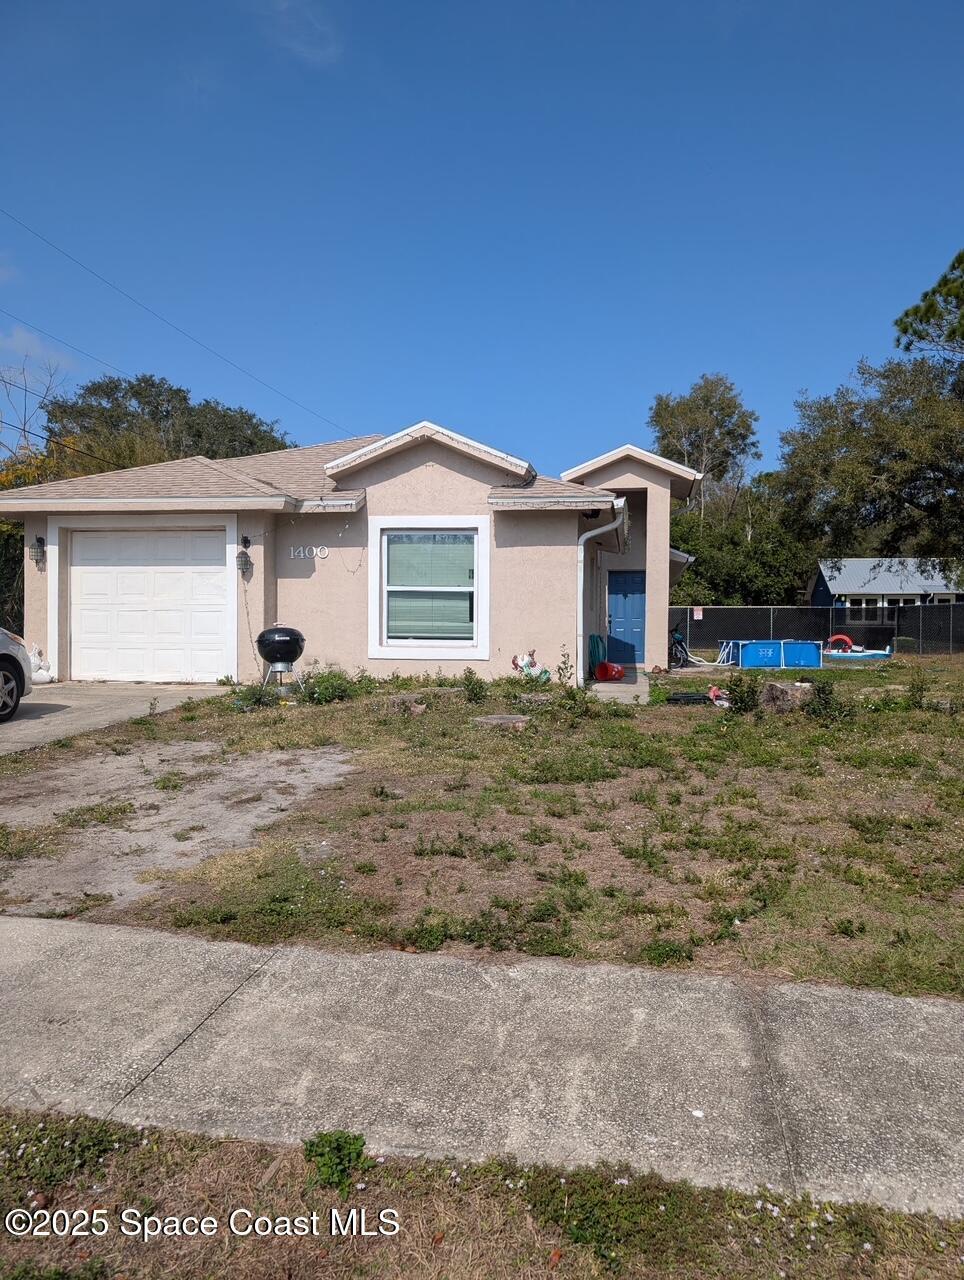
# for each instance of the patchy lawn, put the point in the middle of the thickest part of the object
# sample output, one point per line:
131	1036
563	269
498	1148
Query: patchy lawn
826	846
105	824
496	1221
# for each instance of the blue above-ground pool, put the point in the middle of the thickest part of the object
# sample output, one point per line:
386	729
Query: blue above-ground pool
772	653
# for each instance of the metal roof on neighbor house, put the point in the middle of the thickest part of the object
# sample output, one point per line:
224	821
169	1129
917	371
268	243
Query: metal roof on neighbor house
865	574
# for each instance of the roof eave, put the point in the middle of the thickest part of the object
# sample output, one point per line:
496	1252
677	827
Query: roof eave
13	510
342	502
589	501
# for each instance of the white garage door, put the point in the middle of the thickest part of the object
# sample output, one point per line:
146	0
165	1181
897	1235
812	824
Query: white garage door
149	605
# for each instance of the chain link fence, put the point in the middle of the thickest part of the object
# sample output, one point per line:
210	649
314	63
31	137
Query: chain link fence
921	629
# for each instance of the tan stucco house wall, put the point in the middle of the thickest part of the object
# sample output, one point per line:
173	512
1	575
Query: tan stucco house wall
138	577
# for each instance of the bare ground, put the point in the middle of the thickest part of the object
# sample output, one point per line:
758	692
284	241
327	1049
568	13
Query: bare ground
104	826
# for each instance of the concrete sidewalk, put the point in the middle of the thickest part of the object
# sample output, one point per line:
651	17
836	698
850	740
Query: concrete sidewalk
847	1095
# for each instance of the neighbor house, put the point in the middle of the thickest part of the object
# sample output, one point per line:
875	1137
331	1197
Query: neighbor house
868	583
417	551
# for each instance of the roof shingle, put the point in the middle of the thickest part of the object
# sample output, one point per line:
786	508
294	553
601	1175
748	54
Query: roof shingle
546	490
299	473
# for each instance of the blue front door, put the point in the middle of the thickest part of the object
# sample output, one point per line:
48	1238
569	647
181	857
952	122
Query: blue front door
627	618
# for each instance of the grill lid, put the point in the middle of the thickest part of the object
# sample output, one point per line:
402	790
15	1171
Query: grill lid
280	644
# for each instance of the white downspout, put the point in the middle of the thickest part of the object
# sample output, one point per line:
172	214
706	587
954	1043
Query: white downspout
619	506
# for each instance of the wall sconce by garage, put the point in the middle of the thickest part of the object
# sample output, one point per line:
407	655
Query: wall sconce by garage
242	559
37	550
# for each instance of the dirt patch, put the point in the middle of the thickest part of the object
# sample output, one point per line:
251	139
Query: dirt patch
107	823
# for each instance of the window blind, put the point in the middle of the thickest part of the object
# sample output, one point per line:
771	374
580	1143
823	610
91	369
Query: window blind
430	615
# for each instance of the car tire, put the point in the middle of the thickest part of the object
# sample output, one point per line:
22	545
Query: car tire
9	692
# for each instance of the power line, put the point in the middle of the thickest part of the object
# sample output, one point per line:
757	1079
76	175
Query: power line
49	438
170	323
21	386
61	342
52	440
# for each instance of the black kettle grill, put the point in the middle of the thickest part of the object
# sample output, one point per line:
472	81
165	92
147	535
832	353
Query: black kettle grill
280	647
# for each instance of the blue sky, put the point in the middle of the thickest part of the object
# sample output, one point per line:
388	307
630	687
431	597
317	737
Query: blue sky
522	220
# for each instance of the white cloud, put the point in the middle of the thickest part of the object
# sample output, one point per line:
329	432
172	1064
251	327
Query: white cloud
27	345
303	29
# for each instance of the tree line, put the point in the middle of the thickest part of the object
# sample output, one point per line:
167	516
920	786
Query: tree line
873	469
108	424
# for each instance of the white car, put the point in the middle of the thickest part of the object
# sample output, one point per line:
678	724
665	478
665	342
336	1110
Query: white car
15	682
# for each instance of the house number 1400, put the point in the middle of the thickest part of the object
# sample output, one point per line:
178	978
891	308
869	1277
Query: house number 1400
309	553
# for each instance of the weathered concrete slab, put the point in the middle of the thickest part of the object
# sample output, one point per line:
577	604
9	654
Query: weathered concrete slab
871	1090
55	711
634	687
446	1057
848	1095
87	1010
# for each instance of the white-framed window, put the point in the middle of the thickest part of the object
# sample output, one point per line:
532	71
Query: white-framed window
863	607
944	598
428	587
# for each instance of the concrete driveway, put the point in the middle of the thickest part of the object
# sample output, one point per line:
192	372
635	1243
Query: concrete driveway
843	1094
56	711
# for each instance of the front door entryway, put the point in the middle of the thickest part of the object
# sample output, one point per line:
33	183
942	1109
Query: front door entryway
627	617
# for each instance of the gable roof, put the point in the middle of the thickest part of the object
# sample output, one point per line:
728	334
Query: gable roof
633	453
304	479
421	431
883	575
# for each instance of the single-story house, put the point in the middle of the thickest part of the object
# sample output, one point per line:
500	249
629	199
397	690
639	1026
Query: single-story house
416	551
866	583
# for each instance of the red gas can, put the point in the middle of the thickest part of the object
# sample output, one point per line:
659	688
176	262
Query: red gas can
610	671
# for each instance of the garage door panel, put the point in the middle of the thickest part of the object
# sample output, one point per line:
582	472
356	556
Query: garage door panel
133	624
171	624
128	548
95	661
95	584
130	587
93	549
172	585
210	664
93	624
171	548
131	663
149	606
207	549
207	626
208	586
171	663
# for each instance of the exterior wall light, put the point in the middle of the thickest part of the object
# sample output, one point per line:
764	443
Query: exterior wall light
242	559
37	550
